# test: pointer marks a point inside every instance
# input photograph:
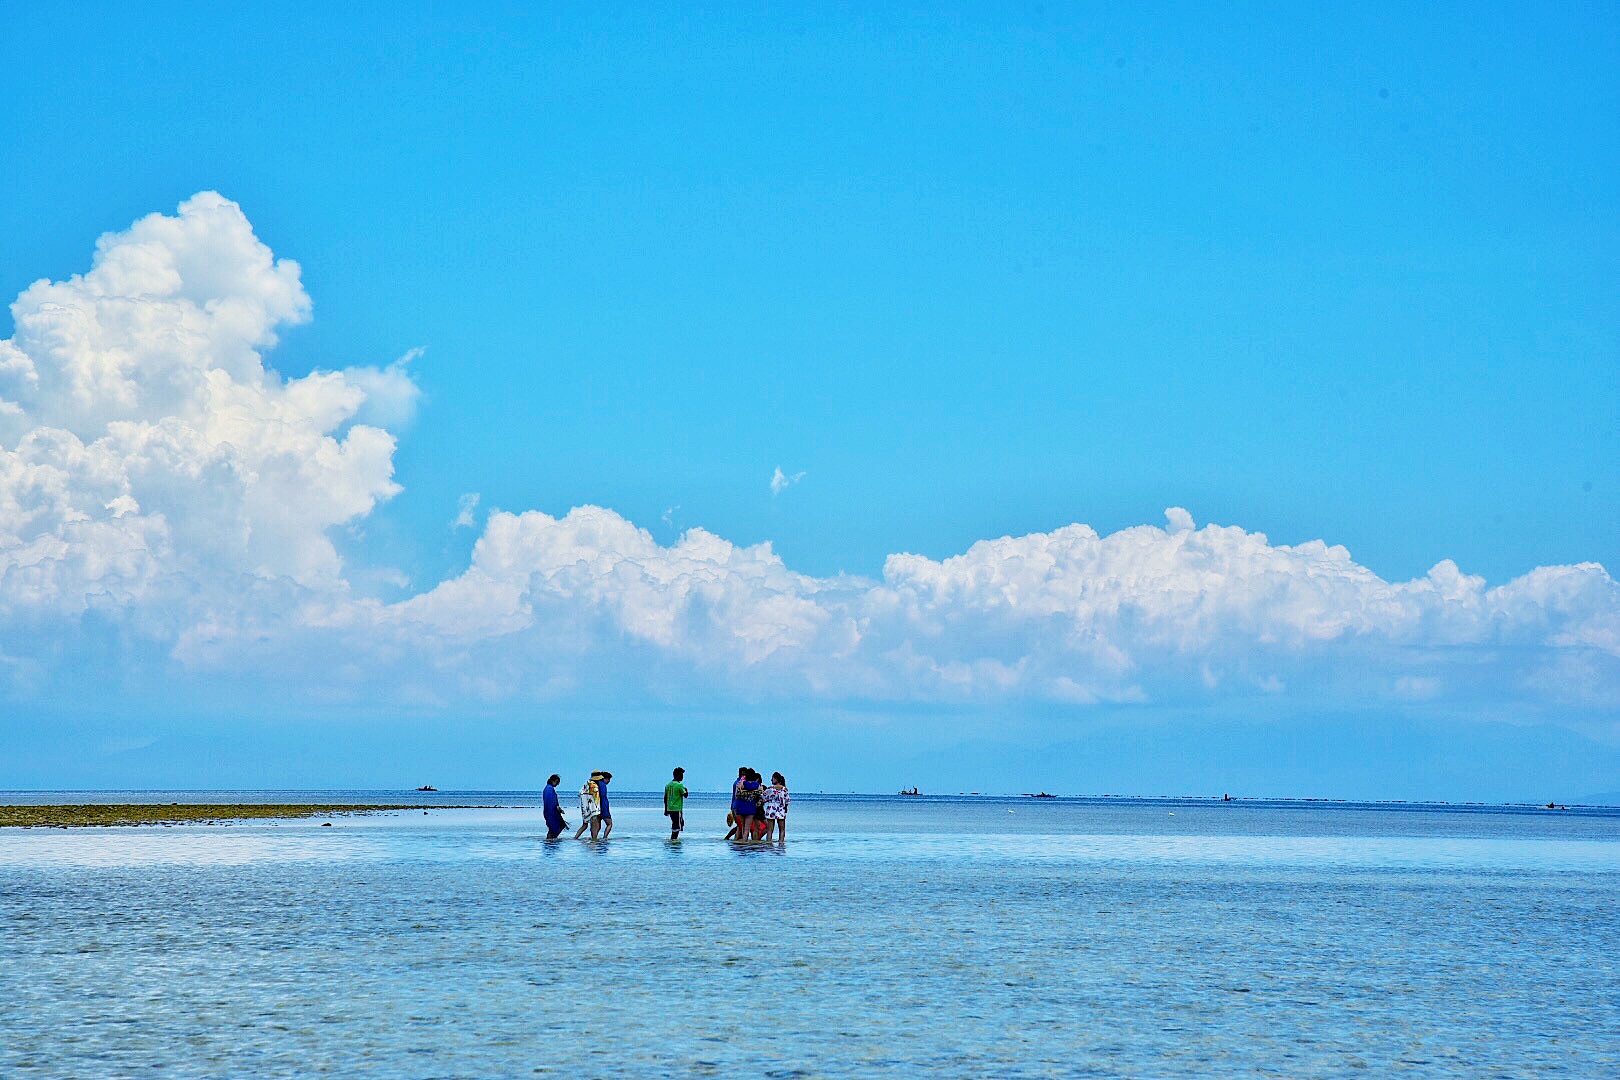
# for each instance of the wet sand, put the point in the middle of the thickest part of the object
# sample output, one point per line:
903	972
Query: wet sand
79	815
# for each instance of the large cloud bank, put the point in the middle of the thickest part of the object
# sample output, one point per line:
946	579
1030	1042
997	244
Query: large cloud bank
160	484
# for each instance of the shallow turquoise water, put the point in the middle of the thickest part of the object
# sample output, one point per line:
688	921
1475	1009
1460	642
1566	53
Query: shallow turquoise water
940	937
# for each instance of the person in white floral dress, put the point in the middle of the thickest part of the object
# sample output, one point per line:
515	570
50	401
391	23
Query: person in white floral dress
776	807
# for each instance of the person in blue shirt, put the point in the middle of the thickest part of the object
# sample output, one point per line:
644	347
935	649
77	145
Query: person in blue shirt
553	809
602	779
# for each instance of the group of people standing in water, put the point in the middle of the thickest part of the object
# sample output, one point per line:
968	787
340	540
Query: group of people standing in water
758	810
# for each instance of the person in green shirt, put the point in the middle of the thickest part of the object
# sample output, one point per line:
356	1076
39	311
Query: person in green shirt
675	804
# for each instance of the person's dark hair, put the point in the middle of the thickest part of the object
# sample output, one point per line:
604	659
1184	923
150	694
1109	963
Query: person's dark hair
778	778
606	775
553	779
742	771
679	772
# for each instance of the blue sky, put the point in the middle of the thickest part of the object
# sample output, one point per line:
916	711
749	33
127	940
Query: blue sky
1341	275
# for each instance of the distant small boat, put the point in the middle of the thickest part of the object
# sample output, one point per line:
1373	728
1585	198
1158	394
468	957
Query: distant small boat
427	787
1039	795
912	791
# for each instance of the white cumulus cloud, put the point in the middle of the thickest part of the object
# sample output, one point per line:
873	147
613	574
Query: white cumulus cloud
147	452
558	604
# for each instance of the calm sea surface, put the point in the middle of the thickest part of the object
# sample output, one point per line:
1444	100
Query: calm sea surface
998	937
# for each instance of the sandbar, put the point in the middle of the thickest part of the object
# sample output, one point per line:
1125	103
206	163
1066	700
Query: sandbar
78	815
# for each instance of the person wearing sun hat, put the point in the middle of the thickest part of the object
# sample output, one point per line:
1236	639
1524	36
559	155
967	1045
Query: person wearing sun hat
590	807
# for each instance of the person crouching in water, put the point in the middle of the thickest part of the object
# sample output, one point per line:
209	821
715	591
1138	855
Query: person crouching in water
553	809
776	807
734	818
590	808
675	804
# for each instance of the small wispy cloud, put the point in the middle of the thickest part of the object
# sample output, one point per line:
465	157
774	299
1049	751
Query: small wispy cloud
781	481
669	514
465	510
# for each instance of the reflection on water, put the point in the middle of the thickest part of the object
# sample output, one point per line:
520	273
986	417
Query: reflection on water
830	831
886	935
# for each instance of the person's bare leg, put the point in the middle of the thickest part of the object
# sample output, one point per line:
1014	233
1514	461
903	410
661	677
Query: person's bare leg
781	830
608	831
596	827
582	827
